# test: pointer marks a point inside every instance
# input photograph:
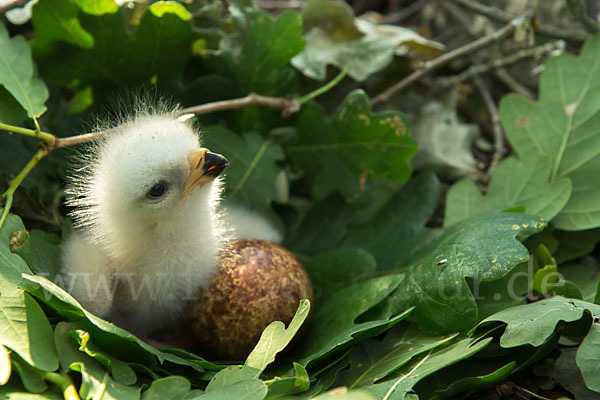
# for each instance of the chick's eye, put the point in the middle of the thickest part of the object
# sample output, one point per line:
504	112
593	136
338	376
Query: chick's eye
157	190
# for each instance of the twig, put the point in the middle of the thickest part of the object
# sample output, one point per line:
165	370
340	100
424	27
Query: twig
503	16
404	13
510	388
501	62
497	128
289	106
11	5
513	84
444	59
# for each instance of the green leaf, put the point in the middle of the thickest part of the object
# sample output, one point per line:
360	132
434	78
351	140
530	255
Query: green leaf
335	37
119	370
5	368
333	325
57	20
398	230
107	335
324	269
11	111
366	55
161	44
243	390
97	7
297	381
533	323
16	74
472	382
562	124
267	49
31	377
514	183
586	277
342	394
95	380
41	252
344	151
170	387
547	274
23	326
588	356
273	340
375	359
508	291
484	248
574	244
254	178
314	235
404	379
334	17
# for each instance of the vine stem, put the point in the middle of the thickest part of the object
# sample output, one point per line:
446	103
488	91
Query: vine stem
51	142
14	184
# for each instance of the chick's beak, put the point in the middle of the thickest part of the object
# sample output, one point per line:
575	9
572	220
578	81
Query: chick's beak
204	167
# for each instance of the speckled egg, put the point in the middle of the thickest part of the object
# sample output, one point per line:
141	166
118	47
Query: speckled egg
258	282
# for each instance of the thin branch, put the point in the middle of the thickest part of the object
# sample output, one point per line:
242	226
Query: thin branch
404	13
288	106
503	16
444	59
513	84
496	63
497	127
13	4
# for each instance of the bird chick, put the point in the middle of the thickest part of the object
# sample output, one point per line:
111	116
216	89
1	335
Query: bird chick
148	230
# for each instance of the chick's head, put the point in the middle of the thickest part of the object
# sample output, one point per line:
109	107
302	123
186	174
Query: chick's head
147	181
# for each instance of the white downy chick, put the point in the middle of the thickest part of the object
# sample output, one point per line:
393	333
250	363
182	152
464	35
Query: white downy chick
148	231
248	224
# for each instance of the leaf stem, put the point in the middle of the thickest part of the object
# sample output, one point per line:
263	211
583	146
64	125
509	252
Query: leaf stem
64	382
46	137
289	106
329	85
14	184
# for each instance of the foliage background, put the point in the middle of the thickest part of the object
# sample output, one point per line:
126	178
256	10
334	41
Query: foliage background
436	274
